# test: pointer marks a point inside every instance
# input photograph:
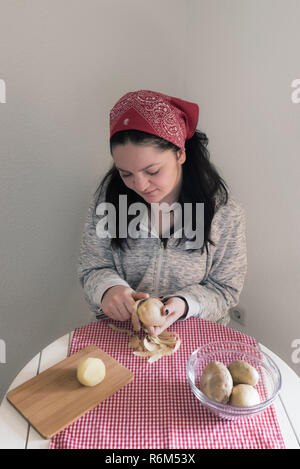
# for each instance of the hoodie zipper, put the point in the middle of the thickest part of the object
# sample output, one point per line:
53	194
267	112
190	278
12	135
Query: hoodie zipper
159	264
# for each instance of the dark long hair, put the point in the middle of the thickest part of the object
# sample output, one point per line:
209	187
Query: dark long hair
200	180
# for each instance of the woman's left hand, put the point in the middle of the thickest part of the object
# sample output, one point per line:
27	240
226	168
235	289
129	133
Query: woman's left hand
176	308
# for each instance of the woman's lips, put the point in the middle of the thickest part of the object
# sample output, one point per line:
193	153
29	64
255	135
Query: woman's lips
148	193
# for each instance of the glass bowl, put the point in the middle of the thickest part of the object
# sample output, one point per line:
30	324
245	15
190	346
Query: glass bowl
268	386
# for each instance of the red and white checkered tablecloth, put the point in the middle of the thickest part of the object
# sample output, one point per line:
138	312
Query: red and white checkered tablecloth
158	410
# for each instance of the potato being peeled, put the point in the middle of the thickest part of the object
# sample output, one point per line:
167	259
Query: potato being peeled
150	312
90	371
244	395
243	373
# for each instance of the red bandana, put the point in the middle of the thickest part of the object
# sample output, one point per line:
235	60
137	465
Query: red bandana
167	117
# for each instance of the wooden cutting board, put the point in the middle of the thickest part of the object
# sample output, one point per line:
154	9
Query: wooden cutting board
55	398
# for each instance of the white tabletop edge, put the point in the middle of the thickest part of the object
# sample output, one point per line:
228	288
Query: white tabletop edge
289	401
13	426
50	355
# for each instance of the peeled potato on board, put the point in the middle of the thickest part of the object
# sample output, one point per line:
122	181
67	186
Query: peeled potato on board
90	371
149	312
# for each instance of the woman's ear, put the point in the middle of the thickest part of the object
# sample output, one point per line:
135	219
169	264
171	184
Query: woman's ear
181	156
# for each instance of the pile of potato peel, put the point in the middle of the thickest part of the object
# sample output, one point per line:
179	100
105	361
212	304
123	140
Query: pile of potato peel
151	347
155	348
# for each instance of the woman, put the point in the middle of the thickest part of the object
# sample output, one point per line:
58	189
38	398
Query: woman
161	160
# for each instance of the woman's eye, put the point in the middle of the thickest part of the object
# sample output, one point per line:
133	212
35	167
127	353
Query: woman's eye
152	174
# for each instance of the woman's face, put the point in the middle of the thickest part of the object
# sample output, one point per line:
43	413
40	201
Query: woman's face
153	174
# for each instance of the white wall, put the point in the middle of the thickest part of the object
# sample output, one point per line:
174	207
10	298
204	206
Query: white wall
65	63
243	57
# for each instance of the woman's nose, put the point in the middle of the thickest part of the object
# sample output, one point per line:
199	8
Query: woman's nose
140	183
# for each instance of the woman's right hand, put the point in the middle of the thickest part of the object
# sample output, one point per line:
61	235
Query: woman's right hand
118	301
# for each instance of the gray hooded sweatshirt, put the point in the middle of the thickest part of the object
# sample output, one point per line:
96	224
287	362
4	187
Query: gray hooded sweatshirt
210	282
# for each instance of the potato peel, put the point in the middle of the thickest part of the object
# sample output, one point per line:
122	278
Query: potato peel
142	354
155	357
119	329
156	347
135	318
150	347
134	342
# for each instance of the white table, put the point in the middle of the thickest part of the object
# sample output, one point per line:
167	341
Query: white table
16	433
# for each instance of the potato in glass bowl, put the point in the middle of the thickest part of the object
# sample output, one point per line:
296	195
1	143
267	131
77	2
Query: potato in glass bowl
226	352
